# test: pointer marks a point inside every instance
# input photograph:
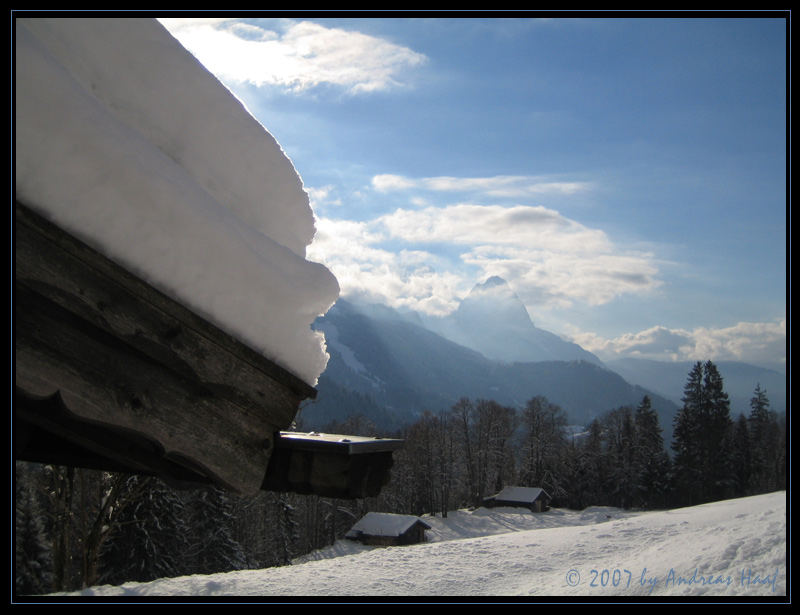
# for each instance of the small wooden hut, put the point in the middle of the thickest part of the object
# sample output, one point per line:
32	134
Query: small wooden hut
534	499
388	529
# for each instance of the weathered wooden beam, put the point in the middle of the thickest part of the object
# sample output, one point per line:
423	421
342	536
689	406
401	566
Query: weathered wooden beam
45	431
122	354
329	465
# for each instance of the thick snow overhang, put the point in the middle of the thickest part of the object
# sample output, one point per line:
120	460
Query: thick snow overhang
162	299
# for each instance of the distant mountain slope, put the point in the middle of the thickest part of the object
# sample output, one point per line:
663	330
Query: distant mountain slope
392	369
740	380
493	321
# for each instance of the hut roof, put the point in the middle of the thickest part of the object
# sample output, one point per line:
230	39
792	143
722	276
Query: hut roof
384	524
526	495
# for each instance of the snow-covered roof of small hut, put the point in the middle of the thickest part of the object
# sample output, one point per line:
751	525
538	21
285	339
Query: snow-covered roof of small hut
384	524
519	494
126	141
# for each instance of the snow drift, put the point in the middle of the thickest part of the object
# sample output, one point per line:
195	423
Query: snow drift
729	548
126	141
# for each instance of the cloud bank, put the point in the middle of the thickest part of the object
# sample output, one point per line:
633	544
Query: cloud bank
752	342
428	257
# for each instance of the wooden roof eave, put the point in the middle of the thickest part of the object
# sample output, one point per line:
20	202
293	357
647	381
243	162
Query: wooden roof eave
120	353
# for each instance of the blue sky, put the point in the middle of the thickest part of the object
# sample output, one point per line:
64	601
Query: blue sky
626	176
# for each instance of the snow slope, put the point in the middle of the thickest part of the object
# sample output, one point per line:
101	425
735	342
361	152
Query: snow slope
730	548
124	139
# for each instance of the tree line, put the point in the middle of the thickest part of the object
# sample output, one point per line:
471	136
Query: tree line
76	527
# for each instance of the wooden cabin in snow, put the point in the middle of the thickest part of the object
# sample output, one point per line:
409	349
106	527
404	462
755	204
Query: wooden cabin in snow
388	529
534	499
162	301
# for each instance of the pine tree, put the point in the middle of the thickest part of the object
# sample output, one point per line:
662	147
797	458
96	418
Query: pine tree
212	544
687	466
620	446
149	539
650	459
742	457
595	483
718	431
32	561
702	439
762	451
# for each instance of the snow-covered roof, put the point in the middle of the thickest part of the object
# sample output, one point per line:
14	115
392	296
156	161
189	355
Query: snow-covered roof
126	141
519	494
384	524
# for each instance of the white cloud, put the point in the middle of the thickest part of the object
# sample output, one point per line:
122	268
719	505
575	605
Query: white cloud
750	342
499	186
520	225
300	57
416	279
549	259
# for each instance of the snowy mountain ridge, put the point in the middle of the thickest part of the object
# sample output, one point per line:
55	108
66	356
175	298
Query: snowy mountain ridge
731	548
388	366
493	320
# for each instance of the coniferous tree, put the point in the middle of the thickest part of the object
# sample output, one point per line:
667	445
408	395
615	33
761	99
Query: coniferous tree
620	446
765	443
742	457
575	475
780	457
702	439
687	466
212	544
717	436
650	459
595	484
32	562
150	536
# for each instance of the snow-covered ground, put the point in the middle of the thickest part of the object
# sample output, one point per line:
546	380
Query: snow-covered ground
723	549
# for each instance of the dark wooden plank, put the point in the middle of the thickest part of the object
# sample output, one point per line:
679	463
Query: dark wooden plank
45	431
103	381
73	274
123	354
328	474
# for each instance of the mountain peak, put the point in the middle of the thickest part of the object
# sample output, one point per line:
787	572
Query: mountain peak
493	320
493	281
491	300
494	290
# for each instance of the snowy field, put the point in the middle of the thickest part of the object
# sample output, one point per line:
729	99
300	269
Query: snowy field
723	549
